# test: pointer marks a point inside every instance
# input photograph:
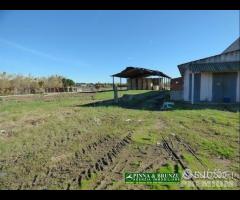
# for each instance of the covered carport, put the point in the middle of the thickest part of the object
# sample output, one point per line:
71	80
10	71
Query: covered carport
143	79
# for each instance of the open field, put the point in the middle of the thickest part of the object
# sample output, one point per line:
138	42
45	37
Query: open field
69	141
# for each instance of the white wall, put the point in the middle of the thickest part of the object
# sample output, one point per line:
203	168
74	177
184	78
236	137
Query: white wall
206	86
186	85
238	88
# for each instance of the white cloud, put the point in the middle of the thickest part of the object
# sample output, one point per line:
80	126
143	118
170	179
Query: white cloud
40	53
29	50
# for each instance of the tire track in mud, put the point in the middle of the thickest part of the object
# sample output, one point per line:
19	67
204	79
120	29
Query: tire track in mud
177	158
92	159
190	150
150	159
108	159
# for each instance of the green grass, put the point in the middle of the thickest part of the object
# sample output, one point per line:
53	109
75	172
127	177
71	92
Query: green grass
38	127
109	94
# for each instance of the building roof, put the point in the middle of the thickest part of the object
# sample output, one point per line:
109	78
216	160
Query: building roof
134	72
233	47
215	67
223	62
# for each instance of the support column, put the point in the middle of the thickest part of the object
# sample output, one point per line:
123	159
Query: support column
163	83
159	83
113	83
115	94
192	98
120	83
136	83
166	83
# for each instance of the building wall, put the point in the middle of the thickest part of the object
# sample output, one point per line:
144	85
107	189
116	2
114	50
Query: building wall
140	83
186	85
149	84
144	84
224	87
129	81
238	88
206	86
133	84
176	83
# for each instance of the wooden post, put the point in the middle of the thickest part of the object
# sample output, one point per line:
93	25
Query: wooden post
115	94
113	83
163	83
159	82
169	83
136	83
120	83
166	83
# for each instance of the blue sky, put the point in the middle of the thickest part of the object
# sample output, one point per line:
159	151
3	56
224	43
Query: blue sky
89	46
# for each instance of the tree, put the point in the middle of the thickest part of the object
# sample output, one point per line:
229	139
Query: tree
4	82
67	82
54	82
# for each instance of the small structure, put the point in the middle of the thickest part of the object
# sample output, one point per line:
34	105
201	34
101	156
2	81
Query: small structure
177	83
144	79
213	79
176	93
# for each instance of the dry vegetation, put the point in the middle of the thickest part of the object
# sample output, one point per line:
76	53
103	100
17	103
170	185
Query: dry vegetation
18	84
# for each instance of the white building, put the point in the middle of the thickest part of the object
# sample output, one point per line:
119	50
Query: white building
215	78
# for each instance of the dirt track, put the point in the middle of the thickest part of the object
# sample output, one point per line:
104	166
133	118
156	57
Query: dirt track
105	160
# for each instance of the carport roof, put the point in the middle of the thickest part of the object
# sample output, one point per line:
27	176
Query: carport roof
134	72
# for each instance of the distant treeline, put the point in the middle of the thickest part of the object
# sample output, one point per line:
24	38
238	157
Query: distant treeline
18	84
